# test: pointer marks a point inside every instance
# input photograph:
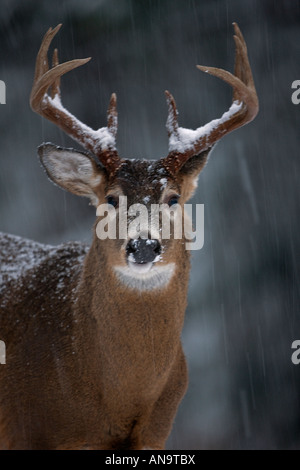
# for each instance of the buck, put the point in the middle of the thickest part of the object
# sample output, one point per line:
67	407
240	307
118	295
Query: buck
93	351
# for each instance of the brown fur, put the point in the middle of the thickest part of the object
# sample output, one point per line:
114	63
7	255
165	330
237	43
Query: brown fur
89	362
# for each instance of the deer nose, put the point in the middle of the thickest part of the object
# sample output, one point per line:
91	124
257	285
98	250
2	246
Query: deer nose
143	251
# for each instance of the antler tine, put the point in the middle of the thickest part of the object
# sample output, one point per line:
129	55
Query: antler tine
55	88
41	66
185	143
112	115
172	121
242	67
100	142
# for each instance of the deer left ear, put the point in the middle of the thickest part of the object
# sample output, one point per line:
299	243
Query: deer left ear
73	171
189	173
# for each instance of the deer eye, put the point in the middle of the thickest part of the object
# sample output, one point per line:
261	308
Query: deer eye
112	200
173	200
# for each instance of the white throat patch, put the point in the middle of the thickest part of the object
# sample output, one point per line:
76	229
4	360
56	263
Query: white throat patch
156	278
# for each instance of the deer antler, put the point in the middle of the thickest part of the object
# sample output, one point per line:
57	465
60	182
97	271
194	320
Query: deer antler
186	143
101	142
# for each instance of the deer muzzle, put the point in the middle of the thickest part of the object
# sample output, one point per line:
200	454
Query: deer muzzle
142	253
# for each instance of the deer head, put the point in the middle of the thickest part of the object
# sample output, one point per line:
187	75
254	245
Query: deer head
100	174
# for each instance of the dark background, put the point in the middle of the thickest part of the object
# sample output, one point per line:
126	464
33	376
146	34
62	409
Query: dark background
243	312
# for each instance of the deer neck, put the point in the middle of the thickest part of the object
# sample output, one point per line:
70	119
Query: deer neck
132	328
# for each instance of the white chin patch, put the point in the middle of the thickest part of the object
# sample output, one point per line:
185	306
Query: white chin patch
140	268
145	277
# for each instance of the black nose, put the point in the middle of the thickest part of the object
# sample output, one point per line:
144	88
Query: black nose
143	251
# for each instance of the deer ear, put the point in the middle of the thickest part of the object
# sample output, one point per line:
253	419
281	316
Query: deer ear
190	171
73	171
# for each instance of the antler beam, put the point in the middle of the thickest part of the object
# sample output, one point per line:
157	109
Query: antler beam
186	143
101	142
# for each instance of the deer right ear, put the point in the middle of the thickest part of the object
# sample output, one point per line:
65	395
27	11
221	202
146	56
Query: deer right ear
73	171
190	172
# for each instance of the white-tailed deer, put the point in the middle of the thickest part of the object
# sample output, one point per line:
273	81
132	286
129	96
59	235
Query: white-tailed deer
92	334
